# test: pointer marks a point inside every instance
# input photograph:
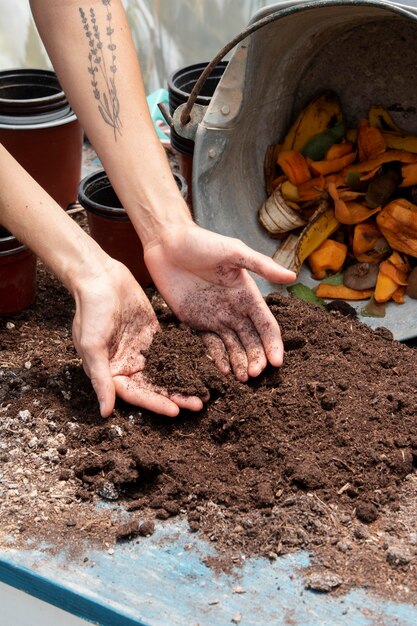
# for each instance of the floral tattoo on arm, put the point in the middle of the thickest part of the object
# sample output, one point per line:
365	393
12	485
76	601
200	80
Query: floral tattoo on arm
108	102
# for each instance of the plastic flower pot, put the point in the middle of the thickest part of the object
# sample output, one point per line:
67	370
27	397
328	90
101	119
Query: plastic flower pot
40	130
110	225
17	275
180	85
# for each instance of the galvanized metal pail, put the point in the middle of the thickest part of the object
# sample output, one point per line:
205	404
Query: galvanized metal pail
363	50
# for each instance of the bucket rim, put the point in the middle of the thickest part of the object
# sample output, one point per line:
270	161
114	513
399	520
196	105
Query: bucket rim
294	6
276	12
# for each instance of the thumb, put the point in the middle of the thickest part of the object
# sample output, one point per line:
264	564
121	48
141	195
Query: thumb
264	266
103	384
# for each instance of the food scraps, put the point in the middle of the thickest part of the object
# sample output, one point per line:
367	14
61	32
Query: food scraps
344	201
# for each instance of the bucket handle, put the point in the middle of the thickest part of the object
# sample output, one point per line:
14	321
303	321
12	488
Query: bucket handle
199	84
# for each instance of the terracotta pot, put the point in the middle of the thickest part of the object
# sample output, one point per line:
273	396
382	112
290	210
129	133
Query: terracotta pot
110	225
180	85
17	275
40	130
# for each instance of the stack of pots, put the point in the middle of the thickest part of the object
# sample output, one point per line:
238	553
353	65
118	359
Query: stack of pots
180	85
40	130
17	275
110	225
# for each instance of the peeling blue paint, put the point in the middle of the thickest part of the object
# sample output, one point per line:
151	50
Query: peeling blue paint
162	580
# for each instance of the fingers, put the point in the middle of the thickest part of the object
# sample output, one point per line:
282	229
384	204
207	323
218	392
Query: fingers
269	333
252	344
189	403
217	350
144	397
237	355
241	348
263	265
247	347
99	372
136	390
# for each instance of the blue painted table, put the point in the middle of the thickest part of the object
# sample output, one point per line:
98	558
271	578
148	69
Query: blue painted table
162	580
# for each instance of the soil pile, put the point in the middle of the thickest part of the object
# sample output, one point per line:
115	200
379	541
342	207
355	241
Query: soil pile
318	454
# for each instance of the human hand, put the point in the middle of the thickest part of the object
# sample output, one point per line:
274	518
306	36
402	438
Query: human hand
114	325
203	277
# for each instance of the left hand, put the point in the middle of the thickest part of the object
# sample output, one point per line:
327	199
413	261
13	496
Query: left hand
114	325
203	277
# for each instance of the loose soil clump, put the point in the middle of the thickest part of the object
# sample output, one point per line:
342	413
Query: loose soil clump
319	454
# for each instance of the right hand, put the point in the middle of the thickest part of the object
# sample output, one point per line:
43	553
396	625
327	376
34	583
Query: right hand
113	325
204	278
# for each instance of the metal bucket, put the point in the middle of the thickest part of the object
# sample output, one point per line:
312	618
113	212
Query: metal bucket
365	51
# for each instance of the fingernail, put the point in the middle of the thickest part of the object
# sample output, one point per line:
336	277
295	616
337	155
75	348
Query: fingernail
102	407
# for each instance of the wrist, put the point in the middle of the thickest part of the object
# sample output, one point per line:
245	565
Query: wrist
149	192
87	262
158	226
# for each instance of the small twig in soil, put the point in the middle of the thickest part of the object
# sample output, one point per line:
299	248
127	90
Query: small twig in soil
345	465
343	489
92	452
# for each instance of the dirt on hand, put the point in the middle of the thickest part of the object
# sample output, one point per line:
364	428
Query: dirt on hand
319	454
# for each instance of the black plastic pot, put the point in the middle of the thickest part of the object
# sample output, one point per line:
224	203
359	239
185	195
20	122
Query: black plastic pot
110	225
40	130
182	81
180	85
17	274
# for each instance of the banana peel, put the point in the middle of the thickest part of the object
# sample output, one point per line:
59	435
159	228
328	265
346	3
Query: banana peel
319	228
379	117
286	254
294	250
277	217
394	136
321	114
400	141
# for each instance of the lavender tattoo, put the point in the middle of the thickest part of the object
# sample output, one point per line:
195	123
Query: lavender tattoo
108	104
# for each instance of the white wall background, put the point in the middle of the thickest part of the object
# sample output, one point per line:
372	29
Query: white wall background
168	34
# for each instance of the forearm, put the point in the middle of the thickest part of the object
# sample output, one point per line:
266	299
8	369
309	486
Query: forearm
36	220
90	46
